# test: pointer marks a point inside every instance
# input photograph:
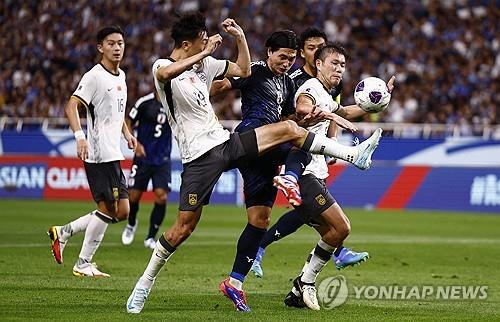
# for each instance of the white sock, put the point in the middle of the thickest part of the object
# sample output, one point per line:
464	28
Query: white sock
307	261
76	226
321	256
326	146
236	283
158	259
93	237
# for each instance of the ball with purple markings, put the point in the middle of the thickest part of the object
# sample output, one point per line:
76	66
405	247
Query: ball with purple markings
371	95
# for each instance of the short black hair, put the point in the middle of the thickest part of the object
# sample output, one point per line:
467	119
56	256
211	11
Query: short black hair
310	33
188	27
106	31
282	39
328	49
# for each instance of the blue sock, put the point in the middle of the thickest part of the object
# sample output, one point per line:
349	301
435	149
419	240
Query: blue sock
157	215
287	224
246	250
134	208
296	162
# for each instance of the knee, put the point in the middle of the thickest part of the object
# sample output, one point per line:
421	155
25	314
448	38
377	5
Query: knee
121	215
160	197
262	221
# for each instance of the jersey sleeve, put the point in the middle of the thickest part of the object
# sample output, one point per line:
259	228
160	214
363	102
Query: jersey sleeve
159	63
86	89
308	91
215	68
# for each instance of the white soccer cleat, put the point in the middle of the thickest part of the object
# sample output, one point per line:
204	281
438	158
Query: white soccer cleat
366	149
309	297
88	270
57	244
129	233
136	300
150	243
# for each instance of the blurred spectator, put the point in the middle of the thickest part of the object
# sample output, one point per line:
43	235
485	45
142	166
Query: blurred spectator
445	53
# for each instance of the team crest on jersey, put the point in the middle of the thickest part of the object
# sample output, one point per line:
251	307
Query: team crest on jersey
115	193
193	199
320	200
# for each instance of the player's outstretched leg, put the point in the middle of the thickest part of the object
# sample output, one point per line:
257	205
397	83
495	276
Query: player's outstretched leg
366	149
345	257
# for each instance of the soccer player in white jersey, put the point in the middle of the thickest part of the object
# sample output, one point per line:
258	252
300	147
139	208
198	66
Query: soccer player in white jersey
207	149
103	92
319	209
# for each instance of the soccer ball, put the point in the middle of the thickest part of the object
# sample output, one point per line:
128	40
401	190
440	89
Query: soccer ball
371	95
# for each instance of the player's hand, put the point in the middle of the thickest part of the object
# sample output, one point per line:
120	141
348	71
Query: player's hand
140	151
342	122
212	44
312	118
132	143
82	149
231	27
390	84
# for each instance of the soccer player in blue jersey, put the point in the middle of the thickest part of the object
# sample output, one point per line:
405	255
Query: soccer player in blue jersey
151	162
311	40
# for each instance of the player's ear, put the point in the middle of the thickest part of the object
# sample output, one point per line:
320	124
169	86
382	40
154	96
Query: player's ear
186	45
302	53
99	48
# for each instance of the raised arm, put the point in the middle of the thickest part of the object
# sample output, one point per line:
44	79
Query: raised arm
242	66
166	73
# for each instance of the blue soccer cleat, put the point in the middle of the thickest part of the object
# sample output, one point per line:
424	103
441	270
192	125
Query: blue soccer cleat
257	263
349	257
238	297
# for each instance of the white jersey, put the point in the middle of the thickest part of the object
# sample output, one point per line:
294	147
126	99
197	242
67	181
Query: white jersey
321	97
104	94
190	114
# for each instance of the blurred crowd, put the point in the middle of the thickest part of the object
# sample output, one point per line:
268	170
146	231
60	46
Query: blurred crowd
445	54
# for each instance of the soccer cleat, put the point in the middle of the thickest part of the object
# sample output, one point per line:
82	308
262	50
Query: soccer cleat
236	296
257	263
366	149
290	188
136	300
308	291
88	270
129	233
349	257
150	243
56	243
292	300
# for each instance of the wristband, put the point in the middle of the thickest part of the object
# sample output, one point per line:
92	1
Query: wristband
79	135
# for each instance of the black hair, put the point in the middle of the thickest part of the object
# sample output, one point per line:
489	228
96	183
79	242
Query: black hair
328	49
188	27
282	39
310	33
106	31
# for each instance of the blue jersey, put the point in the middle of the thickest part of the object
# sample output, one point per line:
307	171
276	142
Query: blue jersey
300	76
265	97
150	120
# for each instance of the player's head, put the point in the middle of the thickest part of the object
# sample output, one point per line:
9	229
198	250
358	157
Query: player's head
281	51
310	40
330	63
110	43
189	32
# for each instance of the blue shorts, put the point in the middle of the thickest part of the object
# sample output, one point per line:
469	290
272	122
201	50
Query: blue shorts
141	173
258	176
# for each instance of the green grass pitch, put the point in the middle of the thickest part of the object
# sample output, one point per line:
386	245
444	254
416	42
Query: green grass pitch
407	249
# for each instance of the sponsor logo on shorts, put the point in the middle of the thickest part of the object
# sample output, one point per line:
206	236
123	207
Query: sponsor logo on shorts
320	200
193	199
115	193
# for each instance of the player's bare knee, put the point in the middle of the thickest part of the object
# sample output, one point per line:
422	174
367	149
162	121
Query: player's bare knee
160	197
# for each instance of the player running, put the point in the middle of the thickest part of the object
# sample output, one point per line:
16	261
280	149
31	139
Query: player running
103	92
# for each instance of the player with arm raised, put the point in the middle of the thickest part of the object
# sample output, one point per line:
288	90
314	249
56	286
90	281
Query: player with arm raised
207	149
103	92
151	162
